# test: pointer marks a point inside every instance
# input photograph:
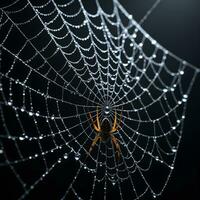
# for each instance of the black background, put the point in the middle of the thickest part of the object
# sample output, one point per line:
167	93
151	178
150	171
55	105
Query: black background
175	24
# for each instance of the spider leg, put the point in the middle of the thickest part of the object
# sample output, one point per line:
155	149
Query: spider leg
96	127
97	137
116	126
117	146
98	122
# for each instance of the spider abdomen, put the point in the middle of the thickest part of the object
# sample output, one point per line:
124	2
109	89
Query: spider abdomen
105	136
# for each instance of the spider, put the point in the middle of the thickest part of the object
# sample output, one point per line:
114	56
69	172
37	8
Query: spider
105	131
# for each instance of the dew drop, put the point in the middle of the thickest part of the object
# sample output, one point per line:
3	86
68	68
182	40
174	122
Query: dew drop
184	100
77	156
156	158
179	102
165	90
134	35
40	137
107	110
113	183
181	72
153	42
131	44
65	156
137	78
171	167
10	103
174	150
37	114
21	138
30	113
141	45
185	96
130	17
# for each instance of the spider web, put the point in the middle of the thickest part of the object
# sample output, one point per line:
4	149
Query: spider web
61	60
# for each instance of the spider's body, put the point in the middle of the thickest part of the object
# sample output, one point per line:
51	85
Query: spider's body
105	131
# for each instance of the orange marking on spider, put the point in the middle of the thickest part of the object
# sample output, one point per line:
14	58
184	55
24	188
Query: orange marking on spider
105	131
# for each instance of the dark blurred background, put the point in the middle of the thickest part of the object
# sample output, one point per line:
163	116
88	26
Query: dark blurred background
175	24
